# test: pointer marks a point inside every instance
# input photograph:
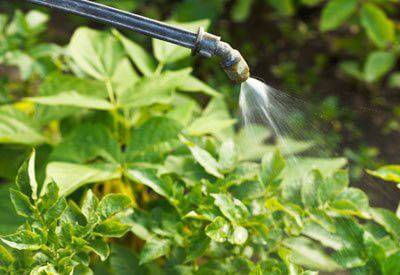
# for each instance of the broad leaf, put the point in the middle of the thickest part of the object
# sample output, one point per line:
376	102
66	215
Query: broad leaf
219	230
310	255
86	144
100	247
149	178
6	258
352	201
378	64
22	204
389	173
157	89
9	219
378	26
55	211
145	63
228	157
74	99
239	235
111	228
68	182
153	139
388	220
23	240
271	167
112	204
154	249
205	159
191	84
123	261
96	53
232	208
336	12
17	127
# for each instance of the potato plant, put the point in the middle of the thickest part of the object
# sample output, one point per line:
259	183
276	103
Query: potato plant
136	175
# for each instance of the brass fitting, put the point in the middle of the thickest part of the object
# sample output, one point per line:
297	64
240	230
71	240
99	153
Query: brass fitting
232	61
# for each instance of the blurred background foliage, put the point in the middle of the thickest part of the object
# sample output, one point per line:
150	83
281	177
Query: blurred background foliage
341	56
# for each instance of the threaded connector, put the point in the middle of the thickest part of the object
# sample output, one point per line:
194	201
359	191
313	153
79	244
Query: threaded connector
232	61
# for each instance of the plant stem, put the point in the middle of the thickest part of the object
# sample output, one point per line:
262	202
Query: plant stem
159	68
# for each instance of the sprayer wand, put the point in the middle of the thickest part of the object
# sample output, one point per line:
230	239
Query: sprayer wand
202	43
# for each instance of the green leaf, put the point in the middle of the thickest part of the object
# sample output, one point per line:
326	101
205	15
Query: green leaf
331	187
68	182
228	157
391	265
153	139
388	220
72	98
250	142
55	211
380	29
23	240
241	10
149	178
169	53
189	83
156	89
309	189
145	63
21	203
111	228
25	179
49	197
232	208
308	254
394	80
209	124
153	249
32	176
73	216
100	247
204	158
352	201
197	247
90	206
17	127
6	258
336	12
378	64
388	173
86	143
318	233
352	68
9	219
248	190
82	270
219	230
55	84
123	261
112	204
283	7
299	168
239	235
271	167
96	53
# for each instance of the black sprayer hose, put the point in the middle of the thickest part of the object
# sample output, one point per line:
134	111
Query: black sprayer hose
125	20
202	43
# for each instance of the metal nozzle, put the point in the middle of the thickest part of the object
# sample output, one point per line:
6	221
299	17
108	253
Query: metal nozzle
232	61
